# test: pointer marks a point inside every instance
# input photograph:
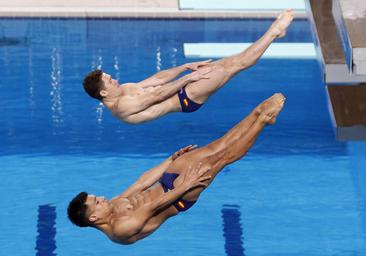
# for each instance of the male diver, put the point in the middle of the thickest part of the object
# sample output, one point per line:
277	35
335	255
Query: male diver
174	185
158	95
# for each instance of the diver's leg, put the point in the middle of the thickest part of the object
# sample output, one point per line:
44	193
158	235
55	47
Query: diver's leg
226	68
229	148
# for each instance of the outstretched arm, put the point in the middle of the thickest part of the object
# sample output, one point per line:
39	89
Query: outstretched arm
162	77
130	230
192	178
148	178
137	103
168	75
153	175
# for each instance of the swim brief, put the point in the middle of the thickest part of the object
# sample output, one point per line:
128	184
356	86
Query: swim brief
186	103
166	182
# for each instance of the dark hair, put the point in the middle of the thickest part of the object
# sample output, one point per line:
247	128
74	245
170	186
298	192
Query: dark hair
77	210
93	84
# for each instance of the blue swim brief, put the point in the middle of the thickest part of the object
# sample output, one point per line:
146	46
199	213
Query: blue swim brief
186	103
166	182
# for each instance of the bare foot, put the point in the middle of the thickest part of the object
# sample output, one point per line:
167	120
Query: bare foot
278	28
267	103
273	107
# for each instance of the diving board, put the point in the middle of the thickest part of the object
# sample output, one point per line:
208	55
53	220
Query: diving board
275	50
350	18
334	61
298	5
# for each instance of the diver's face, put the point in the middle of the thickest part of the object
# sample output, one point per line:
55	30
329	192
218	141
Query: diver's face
98	207
111	86
109	82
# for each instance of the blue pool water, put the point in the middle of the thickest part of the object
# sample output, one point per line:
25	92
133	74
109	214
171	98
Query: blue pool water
297	192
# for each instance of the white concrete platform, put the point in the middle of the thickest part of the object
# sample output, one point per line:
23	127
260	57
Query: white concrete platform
275	50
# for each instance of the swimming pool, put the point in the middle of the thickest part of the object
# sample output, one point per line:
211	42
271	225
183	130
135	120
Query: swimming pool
297	192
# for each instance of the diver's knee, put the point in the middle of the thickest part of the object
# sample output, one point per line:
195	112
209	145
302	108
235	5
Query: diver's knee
227	69
221	67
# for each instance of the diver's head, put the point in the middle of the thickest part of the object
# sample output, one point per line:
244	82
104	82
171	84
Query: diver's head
100	85
89	210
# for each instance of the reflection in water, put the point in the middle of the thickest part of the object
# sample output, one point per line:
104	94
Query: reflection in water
99	112
31	84
56	98
116	67
97	63
46	243
158	59
170	57
173	56
233	233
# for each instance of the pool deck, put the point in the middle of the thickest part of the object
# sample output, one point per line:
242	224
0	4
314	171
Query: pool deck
121	9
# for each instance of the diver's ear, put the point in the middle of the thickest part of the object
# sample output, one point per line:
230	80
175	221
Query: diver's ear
93	218
103	93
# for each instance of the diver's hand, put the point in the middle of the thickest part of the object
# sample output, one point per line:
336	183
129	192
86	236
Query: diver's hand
202	73
196	65
183	151
196	177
